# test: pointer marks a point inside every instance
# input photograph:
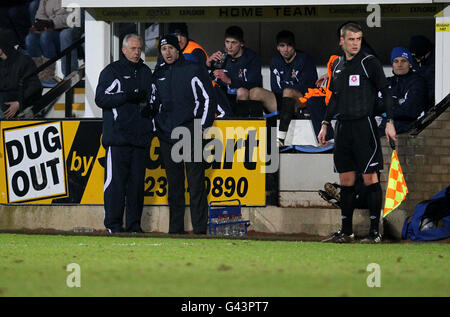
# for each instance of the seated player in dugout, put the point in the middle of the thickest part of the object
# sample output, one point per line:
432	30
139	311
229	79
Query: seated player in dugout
422	51
292	73
408	89
238	73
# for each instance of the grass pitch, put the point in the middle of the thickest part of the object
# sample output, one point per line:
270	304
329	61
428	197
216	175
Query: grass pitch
36	265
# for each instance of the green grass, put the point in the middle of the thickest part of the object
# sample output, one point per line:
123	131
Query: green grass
35	265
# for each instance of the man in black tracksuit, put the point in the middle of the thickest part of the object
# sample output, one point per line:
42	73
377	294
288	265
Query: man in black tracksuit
186	102
123	90
356	79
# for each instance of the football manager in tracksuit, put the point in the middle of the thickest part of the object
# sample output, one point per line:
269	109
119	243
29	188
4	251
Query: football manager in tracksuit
356	79
123	90
184	93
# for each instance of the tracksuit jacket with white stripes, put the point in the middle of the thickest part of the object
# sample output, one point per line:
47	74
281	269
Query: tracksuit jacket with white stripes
184	92
123	123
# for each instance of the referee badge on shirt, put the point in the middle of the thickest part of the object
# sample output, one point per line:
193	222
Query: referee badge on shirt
353	80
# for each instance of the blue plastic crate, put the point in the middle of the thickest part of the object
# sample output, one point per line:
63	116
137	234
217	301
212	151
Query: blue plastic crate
219	209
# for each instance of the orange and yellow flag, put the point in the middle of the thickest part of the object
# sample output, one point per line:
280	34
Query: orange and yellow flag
396	190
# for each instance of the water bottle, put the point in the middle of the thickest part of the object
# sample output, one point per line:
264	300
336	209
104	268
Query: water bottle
83	229
219	228
235	225
226	226
219	64
213	225
241	226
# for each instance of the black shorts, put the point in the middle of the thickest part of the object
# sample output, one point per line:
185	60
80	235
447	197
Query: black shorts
357	146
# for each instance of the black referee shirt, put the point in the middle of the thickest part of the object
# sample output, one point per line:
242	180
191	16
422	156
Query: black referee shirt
355	85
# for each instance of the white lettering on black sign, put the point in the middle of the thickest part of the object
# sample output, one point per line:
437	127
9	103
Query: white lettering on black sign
35	162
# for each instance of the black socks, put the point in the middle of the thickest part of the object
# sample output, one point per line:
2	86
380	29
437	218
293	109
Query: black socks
374	195
374	200
248	109
347	207
286	112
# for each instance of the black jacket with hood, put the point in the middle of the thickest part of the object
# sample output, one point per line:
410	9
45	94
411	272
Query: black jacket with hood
118	85
12	70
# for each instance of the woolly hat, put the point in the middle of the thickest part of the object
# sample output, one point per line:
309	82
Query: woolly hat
401	52
169	39
178	28
420	45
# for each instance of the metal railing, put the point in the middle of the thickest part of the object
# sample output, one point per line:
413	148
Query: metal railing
66	86
430	115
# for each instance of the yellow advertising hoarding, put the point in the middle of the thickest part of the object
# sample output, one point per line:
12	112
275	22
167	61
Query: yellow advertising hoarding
61	162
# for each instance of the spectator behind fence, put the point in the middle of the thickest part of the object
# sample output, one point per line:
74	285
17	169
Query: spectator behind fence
51	34
13	67
422	50
124	87
238	71
184	98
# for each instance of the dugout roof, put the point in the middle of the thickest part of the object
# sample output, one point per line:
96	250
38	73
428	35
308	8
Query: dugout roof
225	3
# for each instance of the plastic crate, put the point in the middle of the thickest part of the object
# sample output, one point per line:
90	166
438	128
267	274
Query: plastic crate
218	209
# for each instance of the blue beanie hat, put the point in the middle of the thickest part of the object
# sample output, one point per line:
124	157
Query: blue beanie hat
400	51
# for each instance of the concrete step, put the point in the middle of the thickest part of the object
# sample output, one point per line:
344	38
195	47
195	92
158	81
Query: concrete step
270	220
78	106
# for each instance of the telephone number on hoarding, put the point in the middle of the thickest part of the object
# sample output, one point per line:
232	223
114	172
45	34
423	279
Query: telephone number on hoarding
217	187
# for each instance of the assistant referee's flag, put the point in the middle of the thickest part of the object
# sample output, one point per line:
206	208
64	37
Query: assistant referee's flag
396	190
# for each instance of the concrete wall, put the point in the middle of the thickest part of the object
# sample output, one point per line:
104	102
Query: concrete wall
425	161
274	220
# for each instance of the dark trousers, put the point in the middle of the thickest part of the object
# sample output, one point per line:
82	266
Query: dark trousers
124	187
195	173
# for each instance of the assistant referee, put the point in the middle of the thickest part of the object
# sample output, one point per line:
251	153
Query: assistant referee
356	79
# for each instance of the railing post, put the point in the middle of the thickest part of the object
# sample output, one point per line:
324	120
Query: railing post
69	94
69	102
68	63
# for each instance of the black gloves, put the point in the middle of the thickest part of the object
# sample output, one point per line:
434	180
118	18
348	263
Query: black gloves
136	96
148	111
